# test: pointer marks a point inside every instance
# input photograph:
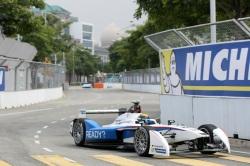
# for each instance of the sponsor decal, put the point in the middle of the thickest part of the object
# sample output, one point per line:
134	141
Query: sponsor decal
96	134
158	149
211	70
2	78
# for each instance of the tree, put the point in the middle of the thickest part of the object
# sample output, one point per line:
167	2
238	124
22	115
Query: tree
85	63
178	13
16	17
134	53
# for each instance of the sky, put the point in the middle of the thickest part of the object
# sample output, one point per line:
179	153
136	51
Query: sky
102	13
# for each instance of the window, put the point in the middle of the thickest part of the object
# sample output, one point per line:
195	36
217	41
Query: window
86	28
87	36
87	44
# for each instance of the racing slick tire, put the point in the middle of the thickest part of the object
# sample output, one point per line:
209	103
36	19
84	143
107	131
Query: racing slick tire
142	141
79	132
208	129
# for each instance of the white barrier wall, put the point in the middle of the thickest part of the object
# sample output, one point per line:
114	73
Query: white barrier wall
230	114
113	85
142	88
23	98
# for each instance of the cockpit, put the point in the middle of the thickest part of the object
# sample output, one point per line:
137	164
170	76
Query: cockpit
134	118
145	119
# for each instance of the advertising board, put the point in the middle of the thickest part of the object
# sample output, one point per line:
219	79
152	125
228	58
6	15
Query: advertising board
221	69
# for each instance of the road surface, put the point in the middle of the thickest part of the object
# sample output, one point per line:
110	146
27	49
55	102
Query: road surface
39	134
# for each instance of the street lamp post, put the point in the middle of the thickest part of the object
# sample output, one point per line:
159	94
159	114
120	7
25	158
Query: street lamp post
213	20
73	63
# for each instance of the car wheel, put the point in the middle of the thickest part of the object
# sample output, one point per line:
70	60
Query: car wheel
208	129
142	141
78	132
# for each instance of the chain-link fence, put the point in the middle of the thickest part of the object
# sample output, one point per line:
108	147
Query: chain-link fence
142	76
113	78
229	30
26	75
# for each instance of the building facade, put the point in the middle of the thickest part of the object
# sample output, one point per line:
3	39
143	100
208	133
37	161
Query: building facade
83	32
103	53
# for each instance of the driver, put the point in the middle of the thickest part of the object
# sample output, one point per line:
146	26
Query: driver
136	108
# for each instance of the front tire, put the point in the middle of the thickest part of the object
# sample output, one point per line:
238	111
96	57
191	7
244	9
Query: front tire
142	142
208	129
78	132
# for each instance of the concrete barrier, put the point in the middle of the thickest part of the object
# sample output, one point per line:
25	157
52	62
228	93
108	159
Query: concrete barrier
142	88
112	85
230	114
23	98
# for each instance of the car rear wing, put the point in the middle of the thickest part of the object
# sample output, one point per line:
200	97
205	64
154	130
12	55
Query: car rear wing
83	113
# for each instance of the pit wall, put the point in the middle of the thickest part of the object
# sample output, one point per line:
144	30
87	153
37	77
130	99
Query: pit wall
230	114
24	98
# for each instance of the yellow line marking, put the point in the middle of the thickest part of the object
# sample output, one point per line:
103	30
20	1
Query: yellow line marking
190	161
55	160
3	163
234	158
218	88
121	161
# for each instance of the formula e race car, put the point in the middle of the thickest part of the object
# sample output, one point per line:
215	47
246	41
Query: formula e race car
146	135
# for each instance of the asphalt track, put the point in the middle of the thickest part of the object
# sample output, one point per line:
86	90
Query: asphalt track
39	134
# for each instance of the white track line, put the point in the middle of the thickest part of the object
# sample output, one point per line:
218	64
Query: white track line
48	150
53	122
236	151
63	118
36	136
69	160
37	142
45	127
39	132
26	112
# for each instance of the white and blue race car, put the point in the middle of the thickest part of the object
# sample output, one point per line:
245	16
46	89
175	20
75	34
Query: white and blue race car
146	135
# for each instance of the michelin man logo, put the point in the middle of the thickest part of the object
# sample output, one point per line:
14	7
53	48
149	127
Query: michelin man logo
171	82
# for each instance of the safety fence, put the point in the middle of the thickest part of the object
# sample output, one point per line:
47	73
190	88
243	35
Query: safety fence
142	76
26	75
228	30
113	78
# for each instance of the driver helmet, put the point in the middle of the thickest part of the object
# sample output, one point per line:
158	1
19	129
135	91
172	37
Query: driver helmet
136	102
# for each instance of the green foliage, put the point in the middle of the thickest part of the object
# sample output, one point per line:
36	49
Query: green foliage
133	52
85	63
16	17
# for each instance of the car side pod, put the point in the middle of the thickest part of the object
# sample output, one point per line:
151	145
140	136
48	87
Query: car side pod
158	144
223	137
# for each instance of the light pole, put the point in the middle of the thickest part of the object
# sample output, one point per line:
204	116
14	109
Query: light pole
213	20
44	14
73	63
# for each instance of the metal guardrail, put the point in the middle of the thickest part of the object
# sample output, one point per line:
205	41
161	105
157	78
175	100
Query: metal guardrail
142	76
229	30
26	75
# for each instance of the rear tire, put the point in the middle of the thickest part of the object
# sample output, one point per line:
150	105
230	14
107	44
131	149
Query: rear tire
142	142
208	129
78	132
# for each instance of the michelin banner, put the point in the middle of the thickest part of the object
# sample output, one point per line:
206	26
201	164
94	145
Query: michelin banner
209	70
